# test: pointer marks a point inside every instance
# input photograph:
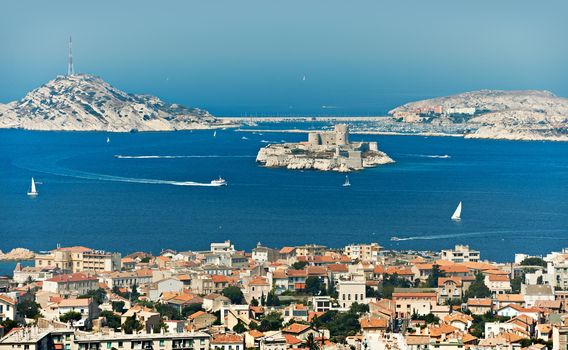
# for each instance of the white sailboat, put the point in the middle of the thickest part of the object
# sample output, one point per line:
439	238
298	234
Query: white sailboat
108	139
33	192
458	212
215	133
346	183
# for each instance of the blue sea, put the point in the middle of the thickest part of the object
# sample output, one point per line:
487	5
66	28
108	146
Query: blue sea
514	194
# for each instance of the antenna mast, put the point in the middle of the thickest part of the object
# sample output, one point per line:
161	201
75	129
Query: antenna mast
70	68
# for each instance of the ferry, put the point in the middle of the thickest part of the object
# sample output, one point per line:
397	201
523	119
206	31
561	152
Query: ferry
219	182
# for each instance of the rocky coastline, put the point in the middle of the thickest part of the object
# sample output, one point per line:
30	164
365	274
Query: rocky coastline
17	254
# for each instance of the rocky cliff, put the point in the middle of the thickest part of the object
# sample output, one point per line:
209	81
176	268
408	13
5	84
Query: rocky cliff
516	115
88	103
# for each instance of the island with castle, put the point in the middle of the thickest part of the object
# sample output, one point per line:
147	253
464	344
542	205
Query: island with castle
325	151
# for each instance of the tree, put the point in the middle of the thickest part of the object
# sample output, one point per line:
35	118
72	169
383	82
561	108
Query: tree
272	299
254	302
168	312
117	291
112	319
359	309
98	295
28	309
131	325
534	261
8	325
311	342
271	322
478	289
432	280
339	324
314	285
190	310
118	306
134	293
234	294
299	265
240	328
262	299
70	316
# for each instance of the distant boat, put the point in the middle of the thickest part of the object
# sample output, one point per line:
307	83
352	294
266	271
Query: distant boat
395	238
219	182
244	138
215	133
458	212
33	192
346	183
108	139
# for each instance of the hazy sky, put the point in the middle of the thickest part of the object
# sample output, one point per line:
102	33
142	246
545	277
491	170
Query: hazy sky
240	56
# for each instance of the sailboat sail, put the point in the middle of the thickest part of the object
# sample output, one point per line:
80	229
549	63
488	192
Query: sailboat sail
457	213
33	191
346	183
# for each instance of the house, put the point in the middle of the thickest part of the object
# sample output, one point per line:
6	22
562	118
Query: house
287	254
148	318
296	312
502	300
299	331
279	281
498	284
87	307
373	325
227	341
214	302
321	303
257	288
414	301
200	320
7	308
71	284
513	310
264	254
156	289
536	292
275	342
449	288
458	320
253	339
479	306
350	292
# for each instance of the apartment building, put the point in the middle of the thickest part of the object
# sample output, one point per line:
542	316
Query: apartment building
79	259
460	254
350	292
363	252
71	284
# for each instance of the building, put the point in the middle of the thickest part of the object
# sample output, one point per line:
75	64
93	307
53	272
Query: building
411	302
227	342
7	308
449	288
126	279
225	247
498	284
460	254
79	259
264	254
310	250
350	292
71	284
363	252
537	292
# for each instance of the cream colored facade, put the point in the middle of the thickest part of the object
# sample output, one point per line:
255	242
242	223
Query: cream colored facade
79	259
363	252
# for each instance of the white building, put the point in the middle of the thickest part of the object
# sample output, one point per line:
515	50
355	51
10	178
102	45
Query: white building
7	308
461	253
363	252
350	292
73	284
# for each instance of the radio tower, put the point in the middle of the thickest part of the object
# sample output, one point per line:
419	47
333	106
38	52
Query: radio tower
70	68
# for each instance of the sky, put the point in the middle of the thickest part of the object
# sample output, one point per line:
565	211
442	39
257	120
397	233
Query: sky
251	56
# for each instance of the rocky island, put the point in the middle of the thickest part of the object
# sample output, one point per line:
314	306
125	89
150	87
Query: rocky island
83	102
17	254
325	151
492	114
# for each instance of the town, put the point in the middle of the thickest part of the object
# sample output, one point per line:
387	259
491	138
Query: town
303	297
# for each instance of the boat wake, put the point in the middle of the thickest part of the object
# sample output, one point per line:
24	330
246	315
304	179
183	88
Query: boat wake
467	234
120	156
52	168
439	156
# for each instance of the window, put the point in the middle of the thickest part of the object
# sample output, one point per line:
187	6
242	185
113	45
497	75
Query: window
162	342
109	345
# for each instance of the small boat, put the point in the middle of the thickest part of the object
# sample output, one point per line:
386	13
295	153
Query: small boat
215	133
108	139
395	238
346	183
219	182
244	138
33	191
458	212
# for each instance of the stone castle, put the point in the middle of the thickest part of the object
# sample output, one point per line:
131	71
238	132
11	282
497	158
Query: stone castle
324	150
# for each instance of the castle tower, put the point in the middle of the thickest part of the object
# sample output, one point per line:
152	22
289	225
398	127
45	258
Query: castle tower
313	139
341	134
